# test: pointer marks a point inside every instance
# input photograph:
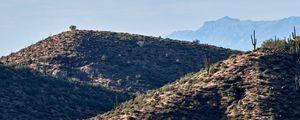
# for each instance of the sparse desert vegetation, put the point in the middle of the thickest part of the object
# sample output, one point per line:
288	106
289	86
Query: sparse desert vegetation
149	60
253	85
104	68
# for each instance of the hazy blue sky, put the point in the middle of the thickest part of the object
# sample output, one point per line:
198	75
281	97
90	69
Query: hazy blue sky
24	22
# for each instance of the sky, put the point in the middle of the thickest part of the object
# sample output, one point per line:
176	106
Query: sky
24	22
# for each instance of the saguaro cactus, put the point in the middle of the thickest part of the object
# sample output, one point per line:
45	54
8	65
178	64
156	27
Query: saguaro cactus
206	64
116	101
275	40
253	40
290	39
294	35
43	65
297	81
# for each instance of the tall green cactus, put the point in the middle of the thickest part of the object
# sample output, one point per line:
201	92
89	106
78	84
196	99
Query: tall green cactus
294	34
297	81
206	64
290	39
275	40
116	101
43	66
253	40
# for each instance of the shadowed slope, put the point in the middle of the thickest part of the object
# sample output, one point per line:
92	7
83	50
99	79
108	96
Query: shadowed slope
28	95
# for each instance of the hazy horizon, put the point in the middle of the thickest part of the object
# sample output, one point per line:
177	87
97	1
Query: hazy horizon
26	22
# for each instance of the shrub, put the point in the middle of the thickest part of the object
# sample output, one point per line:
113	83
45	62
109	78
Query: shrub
196	41
141	43
103	57
72	27
275	44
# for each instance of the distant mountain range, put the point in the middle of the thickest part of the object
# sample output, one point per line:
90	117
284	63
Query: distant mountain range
234	33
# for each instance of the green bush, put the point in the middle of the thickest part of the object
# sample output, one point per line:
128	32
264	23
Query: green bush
141	43
72	27
275	44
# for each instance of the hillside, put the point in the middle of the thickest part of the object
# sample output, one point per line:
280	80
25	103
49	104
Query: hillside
116	61
28	95
263	84
235	33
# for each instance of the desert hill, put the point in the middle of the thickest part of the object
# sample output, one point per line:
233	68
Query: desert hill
263	84
116	61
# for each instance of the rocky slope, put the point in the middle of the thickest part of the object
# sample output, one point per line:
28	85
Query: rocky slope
263	84
28	95
116	61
